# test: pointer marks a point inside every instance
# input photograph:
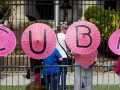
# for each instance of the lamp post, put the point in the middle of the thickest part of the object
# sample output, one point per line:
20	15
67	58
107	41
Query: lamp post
56	13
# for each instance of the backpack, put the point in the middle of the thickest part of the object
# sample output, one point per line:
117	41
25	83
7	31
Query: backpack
117	66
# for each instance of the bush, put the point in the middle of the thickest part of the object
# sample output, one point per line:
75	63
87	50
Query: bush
106	21
92	11
6	9
3	7
28	23
25	24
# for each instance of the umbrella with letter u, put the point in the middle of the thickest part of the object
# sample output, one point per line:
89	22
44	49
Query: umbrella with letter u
38	41
83	37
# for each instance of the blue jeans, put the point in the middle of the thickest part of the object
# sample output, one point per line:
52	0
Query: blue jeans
51	80
83	84
63	73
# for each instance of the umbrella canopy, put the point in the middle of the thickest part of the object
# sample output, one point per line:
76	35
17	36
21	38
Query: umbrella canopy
83	37
114	42
85	60
38	41
7	41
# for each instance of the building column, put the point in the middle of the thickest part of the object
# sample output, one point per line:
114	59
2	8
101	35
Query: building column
56	13
18	12
85	4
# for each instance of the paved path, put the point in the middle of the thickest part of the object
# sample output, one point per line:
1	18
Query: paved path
97	79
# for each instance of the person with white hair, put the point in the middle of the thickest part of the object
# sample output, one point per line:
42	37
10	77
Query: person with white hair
62	48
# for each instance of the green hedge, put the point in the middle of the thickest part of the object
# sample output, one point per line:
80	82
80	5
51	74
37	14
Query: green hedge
106	21
92	11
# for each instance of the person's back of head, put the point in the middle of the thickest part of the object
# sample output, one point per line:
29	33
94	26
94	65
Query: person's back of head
33	86
63	28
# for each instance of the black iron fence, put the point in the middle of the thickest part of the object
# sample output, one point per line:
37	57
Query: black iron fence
19	14
101	80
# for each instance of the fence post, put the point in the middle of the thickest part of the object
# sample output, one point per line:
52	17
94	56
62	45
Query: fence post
0	68
56	13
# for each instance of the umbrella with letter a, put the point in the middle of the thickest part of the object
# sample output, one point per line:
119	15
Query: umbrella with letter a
114	42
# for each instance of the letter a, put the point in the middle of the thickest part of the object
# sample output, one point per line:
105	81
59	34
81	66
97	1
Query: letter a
118	44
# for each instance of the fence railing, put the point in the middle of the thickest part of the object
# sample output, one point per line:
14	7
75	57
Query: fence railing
15	81
23	13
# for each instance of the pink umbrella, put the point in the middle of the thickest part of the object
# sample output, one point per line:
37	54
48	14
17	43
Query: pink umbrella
85	60
7	41
83	37
114	42
38	41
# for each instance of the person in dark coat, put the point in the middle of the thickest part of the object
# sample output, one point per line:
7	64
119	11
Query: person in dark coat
36	70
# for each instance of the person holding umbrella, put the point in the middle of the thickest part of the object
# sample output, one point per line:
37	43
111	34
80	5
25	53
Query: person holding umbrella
33	70
50	74
62	48
37	71
85	74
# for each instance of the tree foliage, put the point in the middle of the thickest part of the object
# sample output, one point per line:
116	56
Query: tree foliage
92	11
3	6
106	21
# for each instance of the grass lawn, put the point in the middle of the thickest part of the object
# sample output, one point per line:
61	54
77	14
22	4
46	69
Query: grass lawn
8	87
100	87
95	87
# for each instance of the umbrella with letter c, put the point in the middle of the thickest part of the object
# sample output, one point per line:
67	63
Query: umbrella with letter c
7	41
38	41
83	37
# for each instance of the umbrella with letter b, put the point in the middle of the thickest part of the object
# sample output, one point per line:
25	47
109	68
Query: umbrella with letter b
83	37
38	41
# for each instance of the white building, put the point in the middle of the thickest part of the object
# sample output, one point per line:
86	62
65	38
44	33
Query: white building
28	8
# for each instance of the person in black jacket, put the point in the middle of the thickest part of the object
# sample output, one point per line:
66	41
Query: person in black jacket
36	70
